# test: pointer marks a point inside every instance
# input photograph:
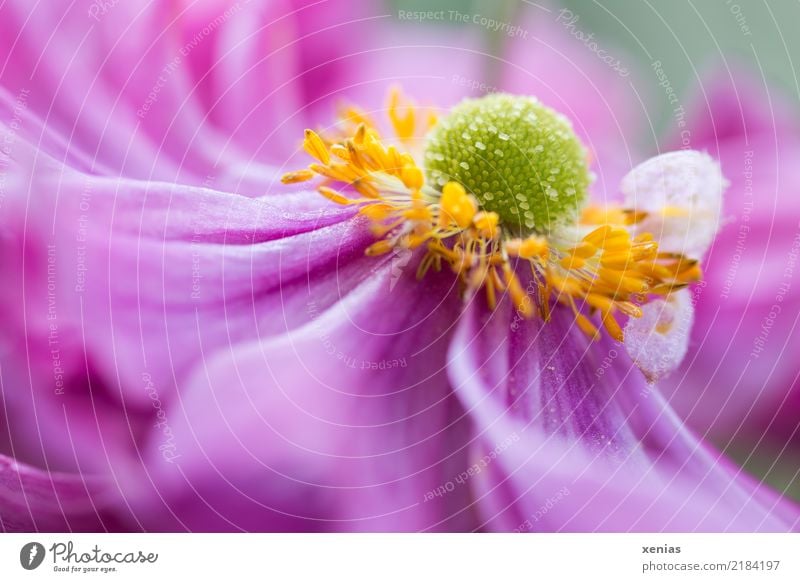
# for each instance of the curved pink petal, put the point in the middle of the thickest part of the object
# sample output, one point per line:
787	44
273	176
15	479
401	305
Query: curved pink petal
207	94
116	287
346	423
128	258
739	376
166	90
597	448
36	500
105	270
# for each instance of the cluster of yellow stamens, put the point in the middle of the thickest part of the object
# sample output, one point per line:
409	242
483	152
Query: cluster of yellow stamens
597	265
609	271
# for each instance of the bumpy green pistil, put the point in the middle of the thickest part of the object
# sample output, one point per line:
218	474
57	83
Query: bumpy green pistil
519	158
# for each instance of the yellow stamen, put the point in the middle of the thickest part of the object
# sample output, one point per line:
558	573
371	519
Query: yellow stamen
607	272
457	206
315	147
487	224
598	235
600	302
612	327
298	176
418	213
379	248
334	196
572	262
412	177
376	212
602	215
531	247
586	326
521	301
403	123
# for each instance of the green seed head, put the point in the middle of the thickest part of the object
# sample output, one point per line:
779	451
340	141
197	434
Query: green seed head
519	158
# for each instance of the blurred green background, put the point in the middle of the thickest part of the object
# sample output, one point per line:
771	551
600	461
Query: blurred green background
685	35
688	37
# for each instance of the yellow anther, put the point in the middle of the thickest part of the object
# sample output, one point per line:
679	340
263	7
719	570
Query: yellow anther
533	247
340	152
622	281
366	189
572	262
415	240
597	236
315	147
334	196
566	285
521	301
354	156
298	176
403	123
361	132
629	309
394	163
587	326
654	270
457	206
693	273
379	248
634	216
418	213
376	212
616	259
612	327
355	116
642	251
412	177
584	250
338	172
487	224
603	215
600	302
377	153
617	239
491	297
666	288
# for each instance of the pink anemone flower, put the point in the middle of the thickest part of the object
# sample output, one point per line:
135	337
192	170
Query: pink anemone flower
382	343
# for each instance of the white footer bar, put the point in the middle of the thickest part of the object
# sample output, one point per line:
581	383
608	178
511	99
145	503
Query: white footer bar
400	557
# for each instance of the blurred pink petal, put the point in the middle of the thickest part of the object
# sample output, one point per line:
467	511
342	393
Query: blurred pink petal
345	423
47	501
225	343
598	449
738	378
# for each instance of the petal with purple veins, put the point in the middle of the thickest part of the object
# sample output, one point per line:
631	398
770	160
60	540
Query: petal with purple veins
598	448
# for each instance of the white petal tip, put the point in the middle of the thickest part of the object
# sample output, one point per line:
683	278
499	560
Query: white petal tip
681	192
658	340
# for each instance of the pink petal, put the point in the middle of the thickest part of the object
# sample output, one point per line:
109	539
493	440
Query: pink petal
738	378
109	280
35	500
346	423
598	449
